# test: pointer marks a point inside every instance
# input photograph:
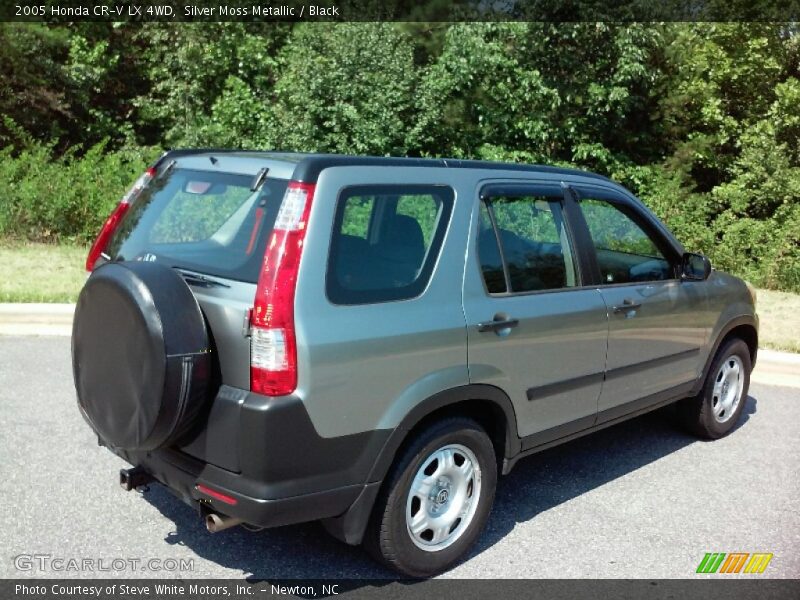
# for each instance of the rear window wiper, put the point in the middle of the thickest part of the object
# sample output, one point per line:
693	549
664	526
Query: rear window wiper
200	280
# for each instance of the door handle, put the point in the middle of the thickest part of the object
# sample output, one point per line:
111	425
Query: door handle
497	325
627	304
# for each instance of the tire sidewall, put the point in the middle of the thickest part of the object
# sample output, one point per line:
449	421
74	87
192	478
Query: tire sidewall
734	347
411	558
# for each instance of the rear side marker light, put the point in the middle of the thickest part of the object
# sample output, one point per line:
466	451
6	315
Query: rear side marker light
216	495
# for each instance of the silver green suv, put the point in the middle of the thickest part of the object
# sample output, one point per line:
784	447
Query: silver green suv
282	338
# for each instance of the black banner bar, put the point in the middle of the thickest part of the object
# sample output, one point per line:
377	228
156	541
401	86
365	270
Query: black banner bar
266	11
717	588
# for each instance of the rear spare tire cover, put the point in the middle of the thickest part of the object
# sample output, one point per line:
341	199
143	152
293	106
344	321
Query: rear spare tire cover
140	355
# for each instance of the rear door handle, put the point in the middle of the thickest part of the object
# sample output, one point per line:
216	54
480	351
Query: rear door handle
497	325
627	304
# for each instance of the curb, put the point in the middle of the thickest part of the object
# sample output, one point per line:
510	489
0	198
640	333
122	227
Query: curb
39	313
36	308
22	319
36	319
29	315
775	356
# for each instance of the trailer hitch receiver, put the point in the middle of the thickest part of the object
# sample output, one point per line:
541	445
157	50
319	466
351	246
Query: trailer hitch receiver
130	479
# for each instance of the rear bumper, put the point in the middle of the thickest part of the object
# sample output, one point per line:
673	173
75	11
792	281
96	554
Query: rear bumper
182	476
266	457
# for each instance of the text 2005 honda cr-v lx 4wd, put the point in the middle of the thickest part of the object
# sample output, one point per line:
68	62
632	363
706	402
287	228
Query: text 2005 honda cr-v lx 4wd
369	341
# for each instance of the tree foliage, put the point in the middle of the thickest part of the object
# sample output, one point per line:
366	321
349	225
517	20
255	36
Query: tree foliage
701	120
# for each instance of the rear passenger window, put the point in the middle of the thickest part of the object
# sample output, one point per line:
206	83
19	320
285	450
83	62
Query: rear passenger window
385	242
535	246
355	222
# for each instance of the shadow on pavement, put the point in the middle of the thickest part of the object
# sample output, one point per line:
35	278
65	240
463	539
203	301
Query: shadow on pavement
536	485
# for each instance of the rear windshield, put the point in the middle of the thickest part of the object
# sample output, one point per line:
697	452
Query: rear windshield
211	223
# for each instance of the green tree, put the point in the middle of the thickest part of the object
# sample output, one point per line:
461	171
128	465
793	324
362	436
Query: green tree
189	67
32	80
344	88
567	93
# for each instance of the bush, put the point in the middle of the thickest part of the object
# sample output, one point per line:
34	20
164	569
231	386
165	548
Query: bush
49	199
65	199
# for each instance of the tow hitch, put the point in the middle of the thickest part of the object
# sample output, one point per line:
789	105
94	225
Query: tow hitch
130	479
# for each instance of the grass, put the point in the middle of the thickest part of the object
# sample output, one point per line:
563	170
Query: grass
48	273
780	320
41	272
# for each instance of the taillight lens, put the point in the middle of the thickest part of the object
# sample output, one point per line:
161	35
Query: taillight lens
115	218
273	347
216	495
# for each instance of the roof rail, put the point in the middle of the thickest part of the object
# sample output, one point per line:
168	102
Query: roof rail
309	168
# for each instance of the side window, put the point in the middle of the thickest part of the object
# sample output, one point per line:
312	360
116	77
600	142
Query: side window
625	252
424	211
385	242
357	213
534	242
489	255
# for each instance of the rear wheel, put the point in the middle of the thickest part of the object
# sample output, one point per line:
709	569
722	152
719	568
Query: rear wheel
715	411
436	499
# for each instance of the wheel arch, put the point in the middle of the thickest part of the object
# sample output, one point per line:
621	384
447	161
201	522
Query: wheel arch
744	327
487	404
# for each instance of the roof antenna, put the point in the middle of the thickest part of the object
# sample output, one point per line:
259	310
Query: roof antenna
213	160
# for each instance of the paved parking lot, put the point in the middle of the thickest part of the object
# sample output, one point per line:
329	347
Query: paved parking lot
639	500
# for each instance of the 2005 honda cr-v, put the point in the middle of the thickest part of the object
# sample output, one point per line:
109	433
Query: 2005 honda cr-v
281	338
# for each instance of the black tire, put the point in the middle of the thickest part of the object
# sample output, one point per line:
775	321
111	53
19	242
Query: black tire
388	539
697	414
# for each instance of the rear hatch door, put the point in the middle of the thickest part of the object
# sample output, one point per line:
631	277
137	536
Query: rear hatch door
210	218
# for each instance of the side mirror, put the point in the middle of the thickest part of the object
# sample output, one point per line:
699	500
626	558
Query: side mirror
695	267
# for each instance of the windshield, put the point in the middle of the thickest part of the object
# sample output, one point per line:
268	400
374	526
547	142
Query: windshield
211	223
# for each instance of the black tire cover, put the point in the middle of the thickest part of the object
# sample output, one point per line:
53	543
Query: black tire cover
140	355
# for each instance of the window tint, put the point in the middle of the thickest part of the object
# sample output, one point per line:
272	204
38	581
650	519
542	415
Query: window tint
425	212
202	221
534	242
356	217
385	242
625	252
193	217
489	255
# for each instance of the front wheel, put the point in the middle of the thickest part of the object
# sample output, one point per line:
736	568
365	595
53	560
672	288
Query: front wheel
715	411
436	499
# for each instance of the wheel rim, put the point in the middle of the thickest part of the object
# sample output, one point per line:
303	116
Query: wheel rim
728	385
443	497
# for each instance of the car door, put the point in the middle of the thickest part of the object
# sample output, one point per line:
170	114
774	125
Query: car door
656	320
534	329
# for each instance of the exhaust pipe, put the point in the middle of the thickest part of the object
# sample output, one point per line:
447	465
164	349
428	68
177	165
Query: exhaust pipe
216	522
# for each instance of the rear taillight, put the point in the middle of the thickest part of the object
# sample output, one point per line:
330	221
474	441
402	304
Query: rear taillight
115	218
273	347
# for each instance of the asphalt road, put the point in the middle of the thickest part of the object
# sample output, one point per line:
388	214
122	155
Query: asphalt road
639	500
